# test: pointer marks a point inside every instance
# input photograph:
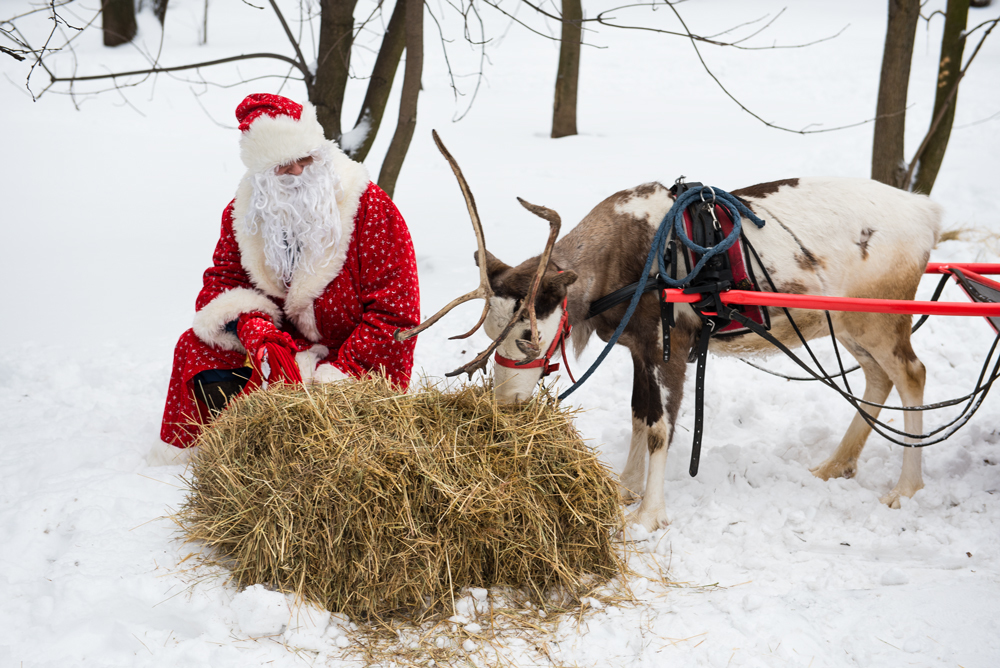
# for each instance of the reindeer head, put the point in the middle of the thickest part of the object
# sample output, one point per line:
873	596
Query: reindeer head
512	298
523	344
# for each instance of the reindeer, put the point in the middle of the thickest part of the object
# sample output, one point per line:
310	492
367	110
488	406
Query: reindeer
824	236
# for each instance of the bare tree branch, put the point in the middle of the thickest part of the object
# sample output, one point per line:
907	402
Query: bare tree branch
178	68
601	19
947	104
747	23
13	53
497	7
303	65
708	70
481	44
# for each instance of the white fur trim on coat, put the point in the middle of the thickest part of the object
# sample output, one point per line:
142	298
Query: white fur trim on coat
210	321
305	287
278	141
308	359
327	373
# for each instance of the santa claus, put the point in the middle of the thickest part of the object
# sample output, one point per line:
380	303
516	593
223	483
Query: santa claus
312	274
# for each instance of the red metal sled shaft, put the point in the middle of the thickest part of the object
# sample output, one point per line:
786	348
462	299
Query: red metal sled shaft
750	298
977	267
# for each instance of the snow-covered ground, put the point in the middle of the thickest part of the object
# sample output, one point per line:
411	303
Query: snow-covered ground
110	215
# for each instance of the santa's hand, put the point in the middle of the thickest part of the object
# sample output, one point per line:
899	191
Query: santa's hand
256	329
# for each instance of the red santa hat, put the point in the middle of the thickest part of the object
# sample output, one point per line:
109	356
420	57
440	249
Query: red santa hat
276	131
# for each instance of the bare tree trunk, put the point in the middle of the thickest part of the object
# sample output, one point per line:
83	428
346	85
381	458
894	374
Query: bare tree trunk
400	143
118	21
888	159
380	83
204	26
568	75
952	46
336	36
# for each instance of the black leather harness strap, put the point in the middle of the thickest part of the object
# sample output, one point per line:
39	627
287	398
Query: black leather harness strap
715	276
622	295
707	327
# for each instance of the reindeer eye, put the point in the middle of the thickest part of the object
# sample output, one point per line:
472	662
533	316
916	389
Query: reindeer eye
526	335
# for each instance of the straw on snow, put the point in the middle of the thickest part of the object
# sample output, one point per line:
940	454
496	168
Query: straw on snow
369	502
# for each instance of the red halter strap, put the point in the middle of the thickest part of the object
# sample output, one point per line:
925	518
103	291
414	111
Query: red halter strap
558	341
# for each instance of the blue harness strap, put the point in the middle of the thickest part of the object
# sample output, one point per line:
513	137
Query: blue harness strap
674	220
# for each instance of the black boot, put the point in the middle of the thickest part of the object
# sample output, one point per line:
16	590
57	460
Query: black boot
216	387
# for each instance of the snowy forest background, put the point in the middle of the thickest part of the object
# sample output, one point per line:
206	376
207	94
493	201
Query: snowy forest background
111	206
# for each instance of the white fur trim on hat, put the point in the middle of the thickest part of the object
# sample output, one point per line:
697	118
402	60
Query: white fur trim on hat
210	321
280	140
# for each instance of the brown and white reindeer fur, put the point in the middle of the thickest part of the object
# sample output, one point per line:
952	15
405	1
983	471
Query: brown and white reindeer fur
823	236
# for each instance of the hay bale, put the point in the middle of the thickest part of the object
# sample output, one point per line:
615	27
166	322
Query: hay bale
370	502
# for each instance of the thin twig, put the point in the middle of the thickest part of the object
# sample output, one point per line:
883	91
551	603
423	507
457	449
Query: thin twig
944	107
303	66
708	70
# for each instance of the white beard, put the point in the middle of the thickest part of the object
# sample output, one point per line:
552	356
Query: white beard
297	216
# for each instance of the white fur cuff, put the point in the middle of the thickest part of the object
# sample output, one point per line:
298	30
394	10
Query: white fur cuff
308	359
210	321
327	373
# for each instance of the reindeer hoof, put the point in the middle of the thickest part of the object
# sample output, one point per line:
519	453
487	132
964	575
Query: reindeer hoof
834	469
892	498
649	520
628	497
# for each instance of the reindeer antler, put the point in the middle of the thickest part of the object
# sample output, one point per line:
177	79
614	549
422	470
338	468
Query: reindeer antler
531	348
484	290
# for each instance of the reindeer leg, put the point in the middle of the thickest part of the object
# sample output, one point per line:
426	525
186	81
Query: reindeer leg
843	463
881	345
909	375
652	512
633	477
661	385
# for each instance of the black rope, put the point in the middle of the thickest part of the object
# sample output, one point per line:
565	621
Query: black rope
977	395
918	325
975	398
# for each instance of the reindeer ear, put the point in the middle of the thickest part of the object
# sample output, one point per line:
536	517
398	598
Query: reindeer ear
493	265
564	278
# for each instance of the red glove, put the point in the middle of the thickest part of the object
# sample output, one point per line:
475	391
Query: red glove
271	350
255	329
276	364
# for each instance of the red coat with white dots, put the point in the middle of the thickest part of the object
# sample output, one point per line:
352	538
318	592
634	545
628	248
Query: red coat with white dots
346	310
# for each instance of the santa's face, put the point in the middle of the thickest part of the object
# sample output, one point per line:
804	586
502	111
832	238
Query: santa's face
294	168
294	209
